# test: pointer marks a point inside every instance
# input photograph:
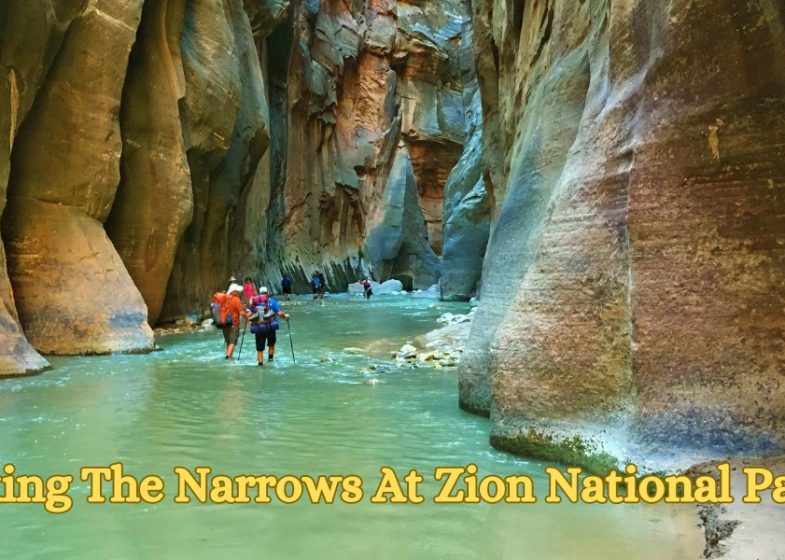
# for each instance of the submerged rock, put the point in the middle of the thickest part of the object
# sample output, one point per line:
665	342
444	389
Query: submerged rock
407	352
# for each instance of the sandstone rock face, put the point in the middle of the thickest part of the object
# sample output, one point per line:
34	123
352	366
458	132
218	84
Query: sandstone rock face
25	33
71	289
225	130
359	81
633	286
466	205
154	201
398	246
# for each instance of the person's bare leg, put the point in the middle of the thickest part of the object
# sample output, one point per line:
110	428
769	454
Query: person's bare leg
230	350
260	358
270	353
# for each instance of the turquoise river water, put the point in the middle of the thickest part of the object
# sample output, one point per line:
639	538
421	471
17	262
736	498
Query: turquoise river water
328	414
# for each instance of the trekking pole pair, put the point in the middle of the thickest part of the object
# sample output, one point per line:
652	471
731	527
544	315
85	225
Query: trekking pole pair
291	343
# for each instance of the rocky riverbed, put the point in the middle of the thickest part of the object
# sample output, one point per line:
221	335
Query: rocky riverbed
441	347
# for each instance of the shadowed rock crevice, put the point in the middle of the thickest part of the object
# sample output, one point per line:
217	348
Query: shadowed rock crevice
154	200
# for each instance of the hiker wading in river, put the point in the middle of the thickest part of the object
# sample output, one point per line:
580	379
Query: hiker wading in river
263	313
233	308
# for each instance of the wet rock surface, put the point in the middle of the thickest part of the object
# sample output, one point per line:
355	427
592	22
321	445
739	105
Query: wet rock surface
440	348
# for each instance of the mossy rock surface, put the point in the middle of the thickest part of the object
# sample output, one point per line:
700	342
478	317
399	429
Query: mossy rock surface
572	451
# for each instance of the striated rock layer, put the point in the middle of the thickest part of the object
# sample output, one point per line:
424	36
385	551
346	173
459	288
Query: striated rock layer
154	200
634	282
226	132
466	202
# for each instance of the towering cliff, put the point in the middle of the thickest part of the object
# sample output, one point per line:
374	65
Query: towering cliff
130	125
70	287
24	36
363	84
466	202
634	282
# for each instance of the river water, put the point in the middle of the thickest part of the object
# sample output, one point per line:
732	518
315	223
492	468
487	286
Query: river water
328	414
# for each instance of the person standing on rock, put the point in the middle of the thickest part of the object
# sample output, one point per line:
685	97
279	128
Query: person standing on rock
286	286
234	308
263	312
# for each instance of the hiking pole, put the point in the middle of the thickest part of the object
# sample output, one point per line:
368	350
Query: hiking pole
289	326
242	339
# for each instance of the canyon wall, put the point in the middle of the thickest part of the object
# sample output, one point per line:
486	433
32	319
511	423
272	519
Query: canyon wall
634	283
153	148
128	127
363	85
24	56
467	213
70	287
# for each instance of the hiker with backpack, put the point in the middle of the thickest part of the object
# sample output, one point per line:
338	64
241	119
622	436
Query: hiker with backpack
367	289
286	286
322	284
227	309
263	313
316	283
249	290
